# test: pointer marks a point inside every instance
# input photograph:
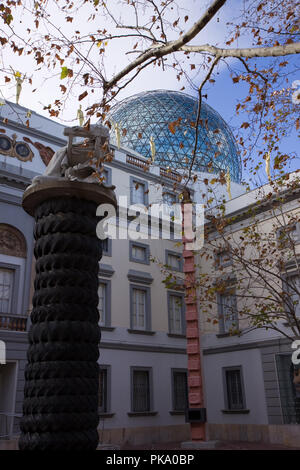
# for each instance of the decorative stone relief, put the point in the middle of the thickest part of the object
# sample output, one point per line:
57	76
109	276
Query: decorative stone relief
12	242
11	147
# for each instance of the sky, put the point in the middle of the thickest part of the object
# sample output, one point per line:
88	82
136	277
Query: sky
222	95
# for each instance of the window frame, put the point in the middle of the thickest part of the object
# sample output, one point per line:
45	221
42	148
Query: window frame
221	313
107	252
218	264
133	182
282	243
183	325
147	307
146	260
178	255
15	288
109	176
149	370
225	388
173	372
107	319
108	389
285	287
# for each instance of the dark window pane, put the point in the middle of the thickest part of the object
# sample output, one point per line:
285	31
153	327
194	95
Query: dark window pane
234	389
180	391
141	392
102	403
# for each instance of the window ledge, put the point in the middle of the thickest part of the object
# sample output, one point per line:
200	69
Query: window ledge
176	412
175	335
244	411
141	332
227	335
141	413
106	415
107	328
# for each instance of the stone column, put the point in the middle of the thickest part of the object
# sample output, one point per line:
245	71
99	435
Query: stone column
60	409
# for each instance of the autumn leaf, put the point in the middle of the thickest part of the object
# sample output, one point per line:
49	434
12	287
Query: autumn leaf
3	131
83	95
124	132
64	72
7	79
26	139
297	123
63	88
245	125
192	66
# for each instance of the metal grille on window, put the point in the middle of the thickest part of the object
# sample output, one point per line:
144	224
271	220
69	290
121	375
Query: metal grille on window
138	193
141	391
6	286
139	309
289	388
102	403
175	314
102	302
180	391
234	390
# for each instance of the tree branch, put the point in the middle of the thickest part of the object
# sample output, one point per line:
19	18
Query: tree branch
161	51
248	52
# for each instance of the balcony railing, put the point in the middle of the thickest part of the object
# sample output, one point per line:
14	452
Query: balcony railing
12	322
136	161
172	175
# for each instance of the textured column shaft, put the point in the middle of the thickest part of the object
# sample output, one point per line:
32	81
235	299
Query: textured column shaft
60	410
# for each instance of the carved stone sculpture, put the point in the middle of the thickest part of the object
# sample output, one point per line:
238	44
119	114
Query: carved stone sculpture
76	162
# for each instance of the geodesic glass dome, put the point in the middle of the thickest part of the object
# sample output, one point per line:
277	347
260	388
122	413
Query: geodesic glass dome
150	113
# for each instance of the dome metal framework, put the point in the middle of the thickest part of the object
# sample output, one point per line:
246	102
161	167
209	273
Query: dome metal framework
149	114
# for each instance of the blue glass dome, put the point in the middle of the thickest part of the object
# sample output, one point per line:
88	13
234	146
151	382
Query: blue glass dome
150	114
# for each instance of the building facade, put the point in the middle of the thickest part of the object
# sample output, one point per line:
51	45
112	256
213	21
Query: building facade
250	380
143	361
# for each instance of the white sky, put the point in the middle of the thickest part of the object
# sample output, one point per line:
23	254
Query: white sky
47	83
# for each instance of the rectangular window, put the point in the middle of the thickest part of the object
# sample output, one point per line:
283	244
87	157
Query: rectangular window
234	389
288	236
107	247
174	261
180	395
175	304
102	303
223	258
140	390
139	191
169	199
139	253
293	288
138	317
6	289
289	388
103	391
228	312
